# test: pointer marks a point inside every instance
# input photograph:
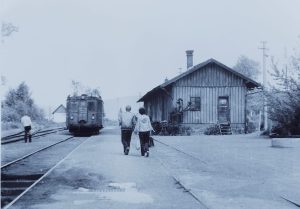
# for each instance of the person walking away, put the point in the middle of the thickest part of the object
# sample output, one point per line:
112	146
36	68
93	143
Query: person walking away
26	122
127	122
143	128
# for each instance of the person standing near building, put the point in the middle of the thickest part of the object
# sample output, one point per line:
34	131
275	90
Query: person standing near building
143	128
26	122
127	122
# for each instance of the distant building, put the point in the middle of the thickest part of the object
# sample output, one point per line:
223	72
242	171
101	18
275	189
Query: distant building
208	93
59	114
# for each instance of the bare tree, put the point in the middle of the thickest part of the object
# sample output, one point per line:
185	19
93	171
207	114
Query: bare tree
3	80
79	88
284	97
76	87
7	29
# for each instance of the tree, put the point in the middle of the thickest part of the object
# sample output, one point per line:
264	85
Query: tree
93	92
7	29
78	88
250	69
247	67
19	102
284	98
3	80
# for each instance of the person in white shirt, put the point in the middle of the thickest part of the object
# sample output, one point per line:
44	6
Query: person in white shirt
143	128
26	122
127	122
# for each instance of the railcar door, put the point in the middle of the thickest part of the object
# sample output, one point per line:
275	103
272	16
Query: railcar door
82	111
223	110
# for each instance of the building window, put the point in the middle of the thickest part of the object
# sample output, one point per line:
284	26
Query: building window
195	104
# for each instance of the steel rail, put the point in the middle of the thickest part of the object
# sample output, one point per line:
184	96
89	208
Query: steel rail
290	201
30	154
189	190
12	135
177	181
34	135
44	175
181	151
36	132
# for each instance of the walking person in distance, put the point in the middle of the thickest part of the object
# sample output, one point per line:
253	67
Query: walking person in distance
143	127
127	122
26	122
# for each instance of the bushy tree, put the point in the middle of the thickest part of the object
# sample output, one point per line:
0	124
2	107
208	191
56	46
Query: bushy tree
19	102
247	67
250	69
78	88
284	98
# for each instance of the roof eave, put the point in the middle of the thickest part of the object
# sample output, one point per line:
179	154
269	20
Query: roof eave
253	83
148	94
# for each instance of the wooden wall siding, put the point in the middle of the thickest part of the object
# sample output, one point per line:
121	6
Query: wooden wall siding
160	105
211	75
209	103
209	83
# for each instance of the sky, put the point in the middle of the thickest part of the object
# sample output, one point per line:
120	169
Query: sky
126	48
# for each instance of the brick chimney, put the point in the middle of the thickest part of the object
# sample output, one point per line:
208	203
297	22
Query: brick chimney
189	58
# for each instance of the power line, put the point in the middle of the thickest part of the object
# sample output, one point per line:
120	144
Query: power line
264	49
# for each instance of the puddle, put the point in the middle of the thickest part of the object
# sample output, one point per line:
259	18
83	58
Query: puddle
119	192
129	194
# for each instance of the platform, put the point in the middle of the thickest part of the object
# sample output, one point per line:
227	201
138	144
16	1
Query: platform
223	172
99	175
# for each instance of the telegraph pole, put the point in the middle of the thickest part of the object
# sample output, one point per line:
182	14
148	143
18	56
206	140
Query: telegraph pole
265	113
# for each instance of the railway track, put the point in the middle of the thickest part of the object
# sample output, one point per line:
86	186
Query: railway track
32	170
185	188
20	136
176	179
181	151
291	201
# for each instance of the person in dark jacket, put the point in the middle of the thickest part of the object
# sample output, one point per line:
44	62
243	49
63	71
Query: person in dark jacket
26	122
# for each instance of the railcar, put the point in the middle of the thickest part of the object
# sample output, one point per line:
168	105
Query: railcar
84	114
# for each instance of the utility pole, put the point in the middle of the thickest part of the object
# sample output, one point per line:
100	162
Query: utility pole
265	113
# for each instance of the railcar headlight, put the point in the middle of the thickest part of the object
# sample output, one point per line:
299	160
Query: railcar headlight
71	117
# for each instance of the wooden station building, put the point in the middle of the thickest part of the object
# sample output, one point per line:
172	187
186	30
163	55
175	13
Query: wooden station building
207	93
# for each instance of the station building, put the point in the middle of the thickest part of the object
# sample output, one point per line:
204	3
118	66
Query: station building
205	94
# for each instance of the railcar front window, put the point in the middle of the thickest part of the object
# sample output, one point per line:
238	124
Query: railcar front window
91	106
73	106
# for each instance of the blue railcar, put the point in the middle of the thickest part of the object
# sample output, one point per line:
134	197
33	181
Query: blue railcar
84	114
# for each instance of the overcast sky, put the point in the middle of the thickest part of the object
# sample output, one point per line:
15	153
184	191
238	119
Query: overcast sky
129	47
